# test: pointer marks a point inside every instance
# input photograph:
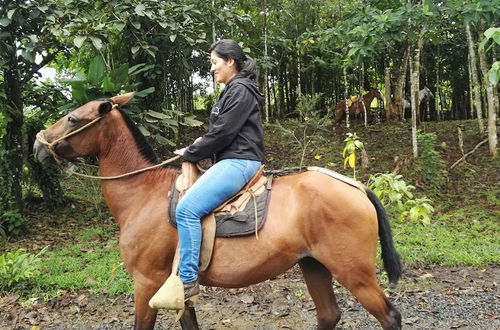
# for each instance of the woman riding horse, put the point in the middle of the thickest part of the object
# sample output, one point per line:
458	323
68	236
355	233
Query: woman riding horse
330	228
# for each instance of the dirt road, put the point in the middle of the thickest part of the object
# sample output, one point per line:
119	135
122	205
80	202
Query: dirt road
429	297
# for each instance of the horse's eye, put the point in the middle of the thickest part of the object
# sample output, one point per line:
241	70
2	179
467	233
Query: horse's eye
72	120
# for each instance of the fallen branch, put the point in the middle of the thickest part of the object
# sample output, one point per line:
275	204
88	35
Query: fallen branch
467	154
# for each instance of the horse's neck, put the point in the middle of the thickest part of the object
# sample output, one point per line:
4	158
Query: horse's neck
421	95
368	97
119	155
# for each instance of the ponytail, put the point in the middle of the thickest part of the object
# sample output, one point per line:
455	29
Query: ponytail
248	68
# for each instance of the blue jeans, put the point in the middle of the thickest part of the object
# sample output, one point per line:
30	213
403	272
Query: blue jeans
224	179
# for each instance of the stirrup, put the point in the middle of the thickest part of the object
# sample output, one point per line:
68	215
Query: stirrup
170	295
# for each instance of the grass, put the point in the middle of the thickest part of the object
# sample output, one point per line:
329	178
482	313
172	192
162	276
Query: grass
92	261
449	243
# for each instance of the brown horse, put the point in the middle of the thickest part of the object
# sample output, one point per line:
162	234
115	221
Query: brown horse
357	106
326	226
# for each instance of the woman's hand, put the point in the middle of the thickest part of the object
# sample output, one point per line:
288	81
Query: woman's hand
180	152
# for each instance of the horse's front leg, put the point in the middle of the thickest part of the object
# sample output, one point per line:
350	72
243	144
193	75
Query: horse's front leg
188	319
145	316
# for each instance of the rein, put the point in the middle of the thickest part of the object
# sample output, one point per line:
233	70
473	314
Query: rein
52	145
128	173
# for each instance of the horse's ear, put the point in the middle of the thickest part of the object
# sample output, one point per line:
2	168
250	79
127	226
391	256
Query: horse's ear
123	99
105	107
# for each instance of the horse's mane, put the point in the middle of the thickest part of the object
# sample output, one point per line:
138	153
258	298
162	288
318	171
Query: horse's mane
144	148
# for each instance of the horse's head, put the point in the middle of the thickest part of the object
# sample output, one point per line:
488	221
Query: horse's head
427	92
377	94
75	135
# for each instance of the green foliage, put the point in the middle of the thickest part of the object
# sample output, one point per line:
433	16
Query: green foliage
430	163
5	177
307	106
97	81
397	195
391	188
17	266
3	124
418	210
11	222
352	144
493	34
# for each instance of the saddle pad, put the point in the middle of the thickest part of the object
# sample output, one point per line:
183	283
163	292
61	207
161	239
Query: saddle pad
240	223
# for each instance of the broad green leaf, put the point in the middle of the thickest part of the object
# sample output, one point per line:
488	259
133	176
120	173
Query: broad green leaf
97	69
119	26
136	24
120	74
192	122
158	115
145	92
79	40
163	140
97	42
136	69
135	49
352	160
494	73
107	84
4	21
172	37
144	130
10	13
139	9
79	95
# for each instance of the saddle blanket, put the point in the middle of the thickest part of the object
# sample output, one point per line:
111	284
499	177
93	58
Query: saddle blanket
233	223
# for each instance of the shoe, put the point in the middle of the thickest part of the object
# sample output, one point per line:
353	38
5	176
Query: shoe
191	289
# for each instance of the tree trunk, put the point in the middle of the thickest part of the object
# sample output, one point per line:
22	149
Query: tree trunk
415	100
14	139
475	79
388	91
492	111
361	94
394	104
346	98
266	73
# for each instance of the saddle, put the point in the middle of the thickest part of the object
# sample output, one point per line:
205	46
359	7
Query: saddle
241	214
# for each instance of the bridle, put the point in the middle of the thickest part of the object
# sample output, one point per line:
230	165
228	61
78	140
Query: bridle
51	146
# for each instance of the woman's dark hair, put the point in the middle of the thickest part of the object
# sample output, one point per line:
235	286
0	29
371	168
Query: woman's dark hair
228	48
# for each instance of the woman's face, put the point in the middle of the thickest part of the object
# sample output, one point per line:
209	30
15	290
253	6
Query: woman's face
223	70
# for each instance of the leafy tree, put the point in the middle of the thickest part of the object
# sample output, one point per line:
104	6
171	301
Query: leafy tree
27	43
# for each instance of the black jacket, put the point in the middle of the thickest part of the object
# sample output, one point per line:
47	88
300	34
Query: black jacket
235	128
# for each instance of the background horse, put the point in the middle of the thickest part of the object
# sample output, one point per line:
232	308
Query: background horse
326	226
424	93
357	106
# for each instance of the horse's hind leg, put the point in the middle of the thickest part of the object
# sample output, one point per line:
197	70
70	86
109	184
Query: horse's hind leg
362	282
319	284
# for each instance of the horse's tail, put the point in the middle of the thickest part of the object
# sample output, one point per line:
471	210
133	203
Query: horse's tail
391	258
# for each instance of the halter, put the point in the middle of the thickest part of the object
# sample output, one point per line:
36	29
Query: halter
51	146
